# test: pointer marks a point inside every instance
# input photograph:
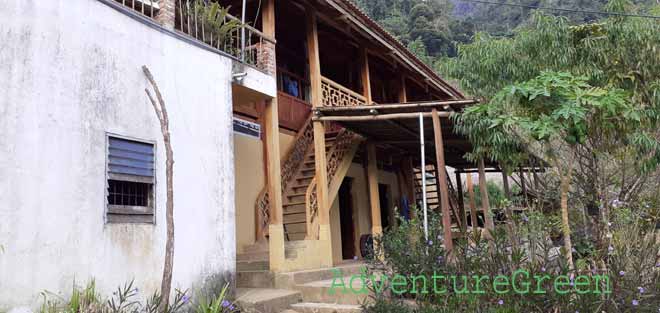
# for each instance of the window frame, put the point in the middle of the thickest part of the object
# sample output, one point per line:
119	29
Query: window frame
123	212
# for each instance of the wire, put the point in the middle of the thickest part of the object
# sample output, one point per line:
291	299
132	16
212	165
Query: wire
562	9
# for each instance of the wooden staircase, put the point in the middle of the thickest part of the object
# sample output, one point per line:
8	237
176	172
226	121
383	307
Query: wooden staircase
433	192
299	180
294	196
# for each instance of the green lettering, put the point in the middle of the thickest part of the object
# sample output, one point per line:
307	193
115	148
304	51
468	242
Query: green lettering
525	283
582	281
465	285
414	284
539	284
500	281
435	285
562	281
477	285
399	280
337	276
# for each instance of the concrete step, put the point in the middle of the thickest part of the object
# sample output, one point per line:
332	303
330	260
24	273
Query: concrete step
322	292
252	256
252	265
266	300
291	280
255	279
311	307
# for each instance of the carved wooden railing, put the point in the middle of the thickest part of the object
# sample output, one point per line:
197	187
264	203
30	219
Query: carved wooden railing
336	95
344	143
293	160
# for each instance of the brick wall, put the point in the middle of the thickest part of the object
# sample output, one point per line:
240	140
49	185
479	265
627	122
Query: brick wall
166	13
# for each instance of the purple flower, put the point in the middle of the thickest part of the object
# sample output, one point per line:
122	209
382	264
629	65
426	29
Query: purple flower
641	289
439	237
500	302
185	299
635	302
232	307
542	269
225	303
657	264
355	257
621	273
525	218
610	248
430	242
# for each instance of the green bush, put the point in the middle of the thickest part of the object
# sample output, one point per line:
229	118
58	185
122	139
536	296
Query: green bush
630	264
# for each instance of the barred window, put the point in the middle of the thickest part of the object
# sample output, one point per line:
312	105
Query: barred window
130	181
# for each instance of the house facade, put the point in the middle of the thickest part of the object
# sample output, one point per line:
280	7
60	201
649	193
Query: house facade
82	159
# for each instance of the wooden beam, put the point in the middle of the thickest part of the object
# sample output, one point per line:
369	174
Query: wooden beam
461	203
364	75
441	170
485	202
374	197
268	18
403	96
407	105
380	117
473	202
313	57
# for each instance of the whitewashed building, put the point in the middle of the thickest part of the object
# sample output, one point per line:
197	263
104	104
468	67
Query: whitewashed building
82	160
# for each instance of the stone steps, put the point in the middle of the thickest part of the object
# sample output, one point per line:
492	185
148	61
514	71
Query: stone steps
323	292
266	300
308	307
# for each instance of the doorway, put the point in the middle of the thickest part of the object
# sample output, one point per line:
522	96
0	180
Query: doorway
346	219
384	194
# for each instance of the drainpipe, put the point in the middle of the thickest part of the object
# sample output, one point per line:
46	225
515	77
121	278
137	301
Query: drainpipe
421	142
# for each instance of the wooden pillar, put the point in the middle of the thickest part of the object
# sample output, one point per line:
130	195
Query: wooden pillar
441	173
403	95
461	203
319	138
473	202
272	142
374	196
364	74
523	184
508	211
485	202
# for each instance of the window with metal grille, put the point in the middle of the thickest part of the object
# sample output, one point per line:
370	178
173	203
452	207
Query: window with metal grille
130	181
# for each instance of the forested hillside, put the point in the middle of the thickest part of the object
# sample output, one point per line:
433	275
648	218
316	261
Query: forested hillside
433	28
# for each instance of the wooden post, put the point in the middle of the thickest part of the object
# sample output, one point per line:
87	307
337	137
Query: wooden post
403	95
364	74
320	161
485	202
523	184
272	141
508	211
473	202
441	174
461	203
374	196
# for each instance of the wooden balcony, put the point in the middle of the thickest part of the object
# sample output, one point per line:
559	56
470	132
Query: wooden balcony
293	112
336	95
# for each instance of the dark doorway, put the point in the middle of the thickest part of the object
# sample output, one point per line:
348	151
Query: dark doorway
346	219
384	194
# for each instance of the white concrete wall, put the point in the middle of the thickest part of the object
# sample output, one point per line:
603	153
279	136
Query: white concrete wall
70	72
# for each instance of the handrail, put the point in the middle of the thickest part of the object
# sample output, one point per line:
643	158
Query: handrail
253	30
289	166
342	88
